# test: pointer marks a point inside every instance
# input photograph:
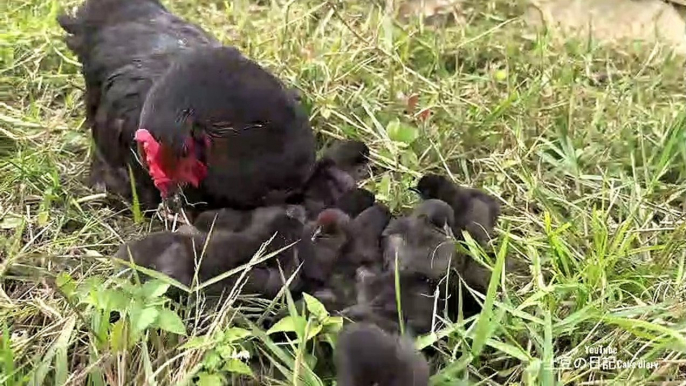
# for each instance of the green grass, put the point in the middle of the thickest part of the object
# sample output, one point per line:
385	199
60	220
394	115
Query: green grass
583	145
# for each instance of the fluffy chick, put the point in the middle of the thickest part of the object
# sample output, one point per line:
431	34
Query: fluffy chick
350	156
368	356
377	301
174	254
321	246
332	177
355	201
421	242
233	220
363	249
475	211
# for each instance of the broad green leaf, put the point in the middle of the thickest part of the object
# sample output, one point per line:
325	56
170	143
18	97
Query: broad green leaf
401	132
142	318
212	361
313	331
426	340
196	342
384	187
234	334
310	360
113	299
205	379
237	366
226	352
287	324
65	283
409	159
169	320
333	324
119	337
315	307
154	288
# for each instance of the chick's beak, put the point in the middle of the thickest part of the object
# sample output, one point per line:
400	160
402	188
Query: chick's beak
316	233
448	231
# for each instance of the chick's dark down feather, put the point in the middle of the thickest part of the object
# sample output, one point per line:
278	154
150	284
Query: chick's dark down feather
366	355
222	250
147	68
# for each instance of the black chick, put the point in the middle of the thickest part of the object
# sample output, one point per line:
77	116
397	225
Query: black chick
321	247
368	356
350	156
377	301
233	220
362	250
166	99
366	230
175	254
475	211
421	242
166	252
334	176
355	201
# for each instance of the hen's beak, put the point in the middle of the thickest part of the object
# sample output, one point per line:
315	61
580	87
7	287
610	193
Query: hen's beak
173	202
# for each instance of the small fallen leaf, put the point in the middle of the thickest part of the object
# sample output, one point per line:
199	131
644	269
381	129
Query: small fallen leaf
91	253
325	112
411	104
11	222
43	218
424	115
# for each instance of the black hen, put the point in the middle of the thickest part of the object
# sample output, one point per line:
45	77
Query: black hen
183	111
